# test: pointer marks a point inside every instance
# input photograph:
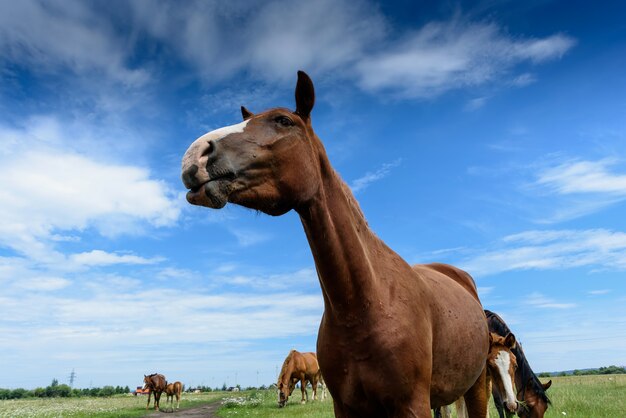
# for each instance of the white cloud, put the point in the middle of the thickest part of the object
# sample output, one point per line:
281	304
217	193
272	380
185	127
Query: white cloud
247	238
43	284
540	301
599	292
523	80
270	41
584	177
364	182
102	258
273	39
49	190
69	34
552	249
476	103
444	56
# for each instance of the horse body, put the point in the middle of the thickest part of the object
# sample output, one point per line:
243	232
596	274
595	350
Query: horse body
298	367
157	384
171	390
384	339
530	390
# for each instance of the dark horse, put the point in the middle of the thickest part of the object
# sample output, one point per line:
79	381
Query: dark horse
298	367
384	339
530	391
157	384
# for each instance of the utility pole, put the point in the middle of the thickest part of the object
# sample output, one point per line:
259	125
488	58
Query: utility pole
72	378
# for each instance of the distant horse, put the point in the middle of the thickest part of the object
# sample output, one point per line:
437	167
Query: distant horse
384	339
531	392
156	383
501	366
298	367
171	390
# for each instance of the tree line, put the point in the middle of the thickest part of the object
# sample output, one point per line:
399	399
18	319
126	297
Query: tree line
56	390
586	372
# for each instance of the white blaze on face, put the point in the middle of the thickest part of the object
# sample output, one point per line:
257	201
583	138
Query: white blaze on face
201	143
503	362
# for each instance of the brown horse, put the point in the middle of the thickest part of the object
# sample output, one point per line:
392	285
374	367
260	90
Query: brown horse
384	339
171	390
156	383
530	391
298	367
501	366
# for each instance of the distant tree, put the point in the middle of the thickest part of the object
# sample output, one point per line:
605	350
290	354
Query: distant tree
126	389
54	383
106	391
224	387
20	393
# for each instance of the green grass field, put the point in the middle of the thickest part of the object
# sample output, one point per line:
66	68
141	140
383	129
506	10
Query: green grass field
572	397
116	406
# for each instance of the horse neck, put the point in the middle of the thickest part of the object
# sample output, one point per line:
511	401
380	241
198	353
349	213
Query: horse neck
348	256
287	369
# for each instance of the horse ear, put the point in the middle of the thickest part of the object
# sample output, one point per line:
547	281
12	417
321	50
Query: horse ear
246	113
547	385
305	95
509	340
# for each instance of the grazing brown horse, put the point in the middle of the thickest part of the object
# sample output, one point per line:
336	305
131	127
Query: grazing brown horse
298	367
156	383
501	366
530	391
171	390
384	339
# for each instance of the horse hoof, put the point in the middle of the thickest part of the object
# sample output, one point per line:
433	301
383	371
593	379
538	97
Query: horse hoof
302	402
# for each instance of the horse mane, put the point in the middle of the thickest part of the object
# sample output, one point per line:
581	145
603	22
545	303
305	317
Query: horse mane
497	325
354	204
286	364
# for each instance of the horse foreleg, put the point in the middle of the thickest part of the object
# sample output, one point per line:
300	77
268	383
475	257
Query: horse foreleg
305	395
148	404
157	399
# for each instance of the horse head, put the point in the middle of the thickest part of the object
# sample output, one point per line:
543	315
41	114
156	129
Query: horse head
283	393
536	401
268	162
501	364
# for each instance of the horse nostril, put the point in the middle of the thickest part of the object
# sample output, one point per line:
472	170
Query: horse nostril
209	149
189	177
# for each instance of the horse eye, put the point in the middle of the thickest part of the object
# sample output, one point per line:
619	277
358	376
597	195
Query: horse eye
284	121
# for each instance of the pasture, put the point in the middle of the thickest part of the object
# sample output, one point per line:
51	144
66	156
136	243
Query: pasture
601	396
115	406
572	397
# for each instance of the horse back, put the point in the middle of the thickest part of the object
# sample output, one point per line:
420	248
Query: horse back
460	276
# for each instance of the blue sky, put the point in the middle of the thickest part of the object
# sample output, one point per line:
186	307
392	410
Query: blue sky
489	135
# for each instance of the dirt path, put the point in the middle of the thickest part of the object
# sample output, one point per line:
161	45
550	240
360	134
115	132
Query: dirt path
206	411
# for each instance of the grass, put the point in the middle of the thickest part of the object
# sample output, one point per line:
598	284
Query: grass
116	406
265	404
572	397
